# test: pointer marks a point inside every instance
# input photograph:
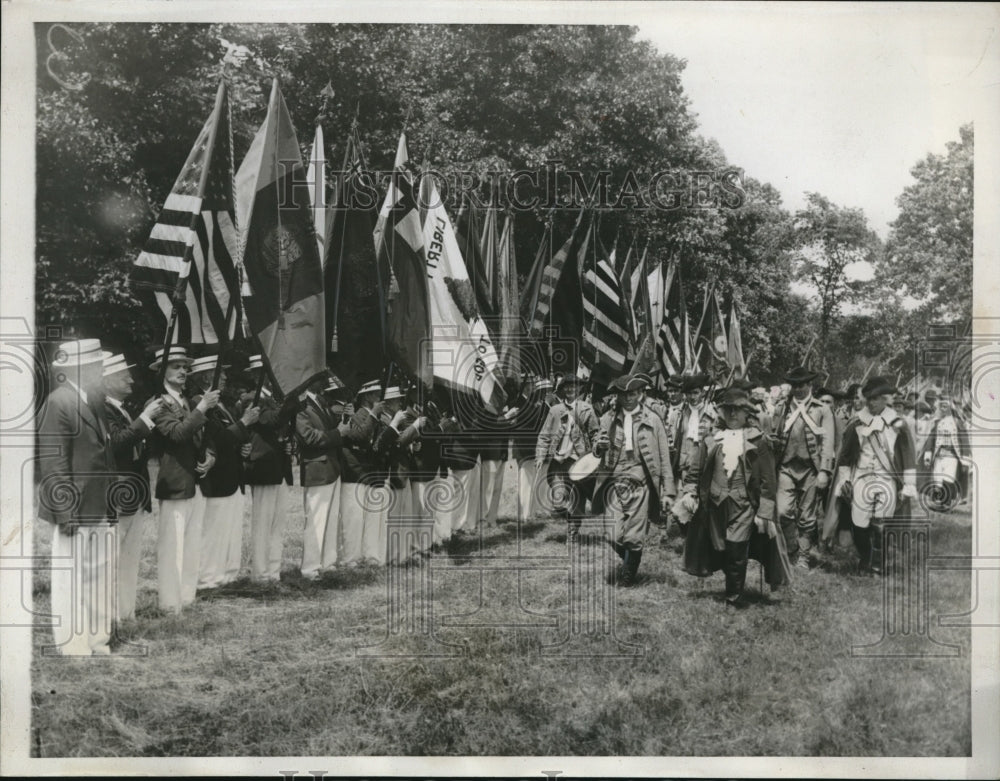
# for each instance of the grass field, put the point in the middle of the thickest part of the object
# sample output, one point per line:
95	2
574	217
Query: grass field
248	671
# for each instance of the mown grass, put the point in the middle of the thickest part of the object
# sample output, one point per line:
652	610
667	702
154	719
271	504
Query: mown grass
250	671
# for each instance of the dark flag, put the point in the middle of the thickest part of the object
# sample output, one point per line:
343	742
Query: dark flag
399	241
510	321
711	344
356	283
280	254
189	258
468	232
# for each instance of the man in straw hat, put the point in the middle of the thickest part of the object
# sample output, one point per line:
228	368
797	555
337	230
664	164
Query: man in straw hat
567	434
267	467
74	486
804	446
876	471
363	493
320	441
179	443
730	489
132	500
222	484
635	483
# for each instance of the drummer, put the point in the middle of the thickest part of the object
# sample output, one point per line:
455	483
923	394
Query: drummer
635	482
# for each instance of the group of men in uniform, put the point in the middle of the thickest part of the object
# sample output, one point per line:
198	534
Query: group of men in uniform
743	473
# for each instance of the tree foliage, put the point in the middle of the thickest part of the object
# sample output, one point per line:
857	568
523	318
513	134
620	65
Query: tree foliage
929	252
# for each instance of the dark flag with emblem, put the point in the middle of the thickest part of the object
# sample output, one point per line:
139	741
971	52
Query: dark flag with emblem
399	241
356	283
187	267
711	344
673	336
280	254
734	341
606	340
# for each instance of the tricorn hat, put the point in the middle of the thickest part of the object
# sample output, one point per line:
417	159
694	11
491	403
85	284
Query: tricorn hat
735	397
676	382
800	375
877	386
628	382
694	382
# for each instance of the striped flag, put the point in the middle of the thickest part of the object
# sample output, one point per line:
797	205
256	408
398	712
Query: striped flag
543	281
606	338
672	338
316	177
188	265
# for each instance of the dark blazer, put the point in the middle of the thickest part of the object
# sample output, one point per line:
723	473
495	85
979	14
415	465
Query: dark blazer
128	443
456	446
320	444
177	441
361	464
268	463
75	481
225	435
526	425
392	448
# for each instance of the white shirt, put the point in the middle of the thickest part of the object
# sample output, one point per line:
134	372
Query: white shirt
176	396
117	404
627	425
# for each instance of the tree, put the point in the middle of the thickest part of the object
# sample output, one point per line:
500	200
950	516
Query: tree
830	238
928	255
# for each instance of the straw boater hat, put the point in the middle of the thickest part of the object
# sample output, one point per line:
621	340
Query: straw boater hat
115	363
78	353
176	353
372	386
393	392
543	384
255	362
206	363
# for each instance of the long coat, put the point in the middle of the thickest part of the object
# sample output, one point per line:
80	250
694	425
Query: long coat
76	479
128	443
706	533
225	435
650	442
178	442
320	444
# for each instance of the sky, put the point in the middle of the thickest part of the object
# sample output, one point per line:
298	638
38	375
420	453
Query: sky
838	99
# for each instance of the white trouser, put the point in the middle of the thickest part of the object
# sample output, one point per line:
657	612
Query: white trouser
269	504
366	506
355	499
420	509
129	552
873	496
234	559
466	513
531	482
319	539
492	484
221	514
178	550
83	589
439	497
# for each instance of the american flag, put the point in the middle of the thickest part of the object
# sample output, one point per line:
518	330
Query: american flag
542	282
189	258
673	338
606	331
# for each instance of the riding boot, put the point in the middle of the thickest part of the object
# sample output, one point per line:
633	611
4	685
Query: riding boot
862	541
736	571
634	557
790	529
877	553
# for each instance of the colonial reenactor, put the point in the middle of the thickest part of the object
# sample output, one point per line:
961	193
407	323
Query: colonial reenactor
320	441
80	470
179	444
364	478
762	412
565	436
635	483
804	444
132	501
945	453
697	415
876	471
730	488
222	484
267	469
527	424
675	406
